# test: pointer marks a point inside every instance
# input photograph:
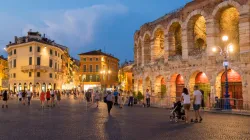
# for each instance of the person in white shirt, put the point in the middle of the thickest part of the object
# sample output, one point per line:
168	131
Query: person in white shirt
20	95
185	97
148	98
197	103
29	96
97	98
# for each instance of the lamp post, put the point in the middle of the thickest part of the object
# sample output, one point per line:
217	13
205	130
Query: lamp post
225	53
105	73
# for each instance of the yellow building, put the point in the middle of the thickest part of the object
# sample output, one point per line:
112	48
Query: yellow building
35	63
4	83
98	70
125	76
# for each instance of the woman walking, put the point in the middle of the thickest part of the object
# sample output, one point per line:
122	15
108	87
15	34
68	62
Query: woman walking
5	99
110	99
185	97
48	97
97	98
120	102
58	97
42	99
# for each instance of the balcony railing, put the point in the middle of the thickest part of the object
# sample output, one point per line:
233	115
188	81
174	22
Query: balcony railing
34	68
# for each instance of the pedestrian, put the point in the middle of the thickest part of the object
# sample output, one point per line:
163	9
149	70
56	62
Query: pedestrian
48	98
20	96
202	100
97	98
148	98
5	99
52	95
88	95
116	97
185	97
29	95
131	99
197	103
120	101
42	99
110	99
24	97
58	97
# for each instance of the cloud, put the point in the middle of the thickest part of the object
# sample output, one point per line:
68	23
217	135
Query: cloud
74	28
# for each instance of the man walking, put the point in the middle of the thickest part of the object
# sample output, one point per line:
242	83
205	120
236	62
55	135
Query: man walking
116	97
148	98
197	103
29	96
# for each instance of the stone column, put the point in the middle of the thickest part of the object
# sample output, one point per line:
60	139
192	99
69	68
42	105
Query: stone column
212	35
142	53
152	48
244	29
184	42
166	48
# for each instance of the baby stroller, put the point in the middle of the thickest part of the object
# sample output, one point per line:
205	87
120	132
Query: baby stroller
177	112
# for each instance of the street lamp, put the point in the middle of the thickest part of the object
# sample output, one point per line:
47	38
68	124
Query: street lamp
104	74
225	53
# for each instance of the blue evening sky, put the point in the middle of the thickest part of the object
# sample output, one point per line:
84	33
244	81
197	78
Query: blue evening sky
83	25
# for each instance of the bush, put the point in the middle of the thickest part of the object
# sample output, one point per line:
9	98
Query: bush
140	96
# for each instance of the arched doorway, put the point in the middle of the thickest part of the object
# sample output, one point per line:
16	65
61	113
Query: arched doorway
202	82
235	88
25	87
49	86
147	50
148	84
140	88
179	85
160	86
15	88
174	39
30	87
19	87
158	49
44	87
37	87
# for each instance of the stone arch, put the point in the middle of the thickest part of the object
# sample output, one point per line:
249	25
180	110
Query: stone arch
148	84
174	38
147	48
195	25
226	16
160	86
177	83
158	48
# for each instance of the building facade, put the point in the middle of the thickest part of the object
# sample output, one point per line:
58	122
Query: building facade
125	75
35	63
98	70
4	77
175	51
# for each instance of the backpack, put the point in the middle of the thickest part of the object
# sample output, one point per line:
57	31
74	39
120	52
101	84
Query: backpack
105	99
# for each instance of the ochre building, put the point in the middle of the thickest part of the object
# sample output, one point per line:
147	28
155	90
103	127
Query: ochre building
4	77
35	63
177	50
125	75
98	70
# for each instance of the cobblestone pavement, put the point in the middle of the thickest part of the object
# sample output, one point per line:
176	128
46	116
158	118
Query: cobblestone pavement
74	121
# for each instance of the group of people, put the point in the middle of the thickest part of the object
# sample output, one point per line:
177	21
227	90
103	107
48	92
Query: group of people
197	102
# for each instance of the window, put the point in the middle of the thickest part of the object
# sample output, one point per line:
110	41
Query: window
50	63
55	53
38	61
38	49
84	59
84	68
97	68
58	54
30	74
90	68
50	75
51	52
14	51
55	76
55	65
30	48
30	60
38	74
61	57
96	59
90	59
14	75
14	63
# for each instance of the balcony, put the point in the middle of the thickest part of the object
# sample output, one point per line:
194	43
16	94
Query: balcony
33	68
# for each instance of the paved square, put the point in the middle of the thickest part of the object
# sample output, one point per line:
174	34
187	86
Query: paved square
72	121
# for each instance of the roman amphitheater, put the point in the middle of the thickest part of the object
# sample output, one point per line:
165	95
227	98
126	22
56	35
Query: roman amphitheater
176	51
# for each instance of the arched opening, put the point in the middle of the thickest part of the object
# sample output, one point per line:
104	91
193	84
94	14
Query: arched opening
160	86
30	87
228	19
174	39
202	81
147	50
25	87
139	53
44	87
49	86
180	84
19	87
37	87
15	89
158	50
140	88
148	84
197	35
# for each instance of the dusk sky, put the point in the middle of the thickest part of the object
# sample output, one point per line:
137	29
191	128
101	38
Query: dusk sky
83	25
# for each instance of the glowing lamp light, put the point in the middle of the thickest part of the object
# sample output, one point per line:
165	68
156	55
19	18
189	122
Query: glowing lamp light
231	48
214	49
224	38
109	71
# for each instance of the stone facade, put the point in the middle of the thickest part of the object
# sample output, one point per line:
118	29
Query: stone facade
180	44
